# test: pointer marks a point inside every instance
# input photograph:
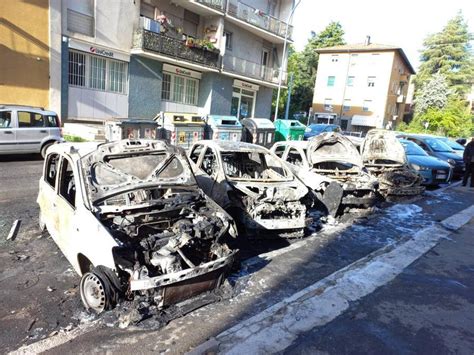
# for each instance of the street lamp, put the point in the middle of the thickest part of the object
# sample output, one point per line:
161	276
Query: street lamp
283	62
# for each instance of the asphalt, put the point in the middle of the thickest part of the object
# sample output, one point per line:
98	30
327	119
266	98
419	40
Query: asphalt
31	312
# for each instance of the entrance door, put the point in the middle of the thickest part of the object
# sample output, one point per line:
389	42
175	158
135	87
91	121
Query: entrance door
246	106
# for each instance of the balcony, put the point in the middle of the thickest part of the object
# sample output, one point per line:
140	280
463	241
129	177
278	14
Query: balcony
257	18
252	70
175	49
202	7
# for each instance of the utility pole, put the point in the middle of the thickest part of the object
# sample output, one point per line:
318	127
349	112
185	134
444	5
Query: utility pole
288	100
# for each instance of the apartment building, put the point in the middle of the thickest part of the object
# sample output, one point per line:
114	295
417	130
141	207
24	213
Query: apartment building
139	58
29	54
361	86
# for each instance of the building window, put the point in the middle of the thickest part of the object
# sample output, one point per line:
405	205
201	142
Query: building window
102	73
350	80
347	105
228	40
366	106
179	89
331	80
328	104
80	17
77	69
371	81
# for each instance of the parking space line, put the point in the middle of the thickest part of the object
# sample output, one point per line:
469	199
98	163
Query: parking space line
275	328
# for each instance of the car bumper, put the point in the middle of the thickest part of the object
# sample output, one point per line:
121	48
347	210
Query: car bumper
435	176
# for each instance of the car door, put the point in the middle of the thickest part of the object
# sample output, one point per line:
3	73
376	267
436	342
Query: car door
7	131
209	167
65	207
31	131
47	194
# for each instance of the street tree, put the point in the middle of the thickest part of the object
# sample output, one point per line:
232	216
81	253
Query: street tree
449	53
433	95
304	65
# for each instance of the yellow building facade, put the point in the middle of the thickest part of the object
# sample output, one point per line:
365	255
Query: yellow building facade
361	86
24	52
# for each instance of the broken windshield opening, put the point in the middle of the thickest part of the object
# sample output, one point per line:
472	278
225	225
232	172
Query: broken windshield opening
253	166
334	165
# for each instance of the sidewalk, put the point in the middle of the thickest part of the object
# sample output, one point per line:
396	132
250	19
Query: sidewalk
428	308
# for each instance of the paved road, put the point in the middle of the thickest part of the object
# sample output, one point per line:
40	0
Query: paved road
29	312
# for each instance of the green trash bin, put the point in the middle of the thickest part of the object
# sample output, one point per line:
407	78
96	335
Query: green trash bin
289	130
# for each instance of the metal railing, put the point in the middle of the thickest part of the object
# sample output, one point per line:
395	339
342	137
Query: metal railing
258	18
253	70
215	4
174	48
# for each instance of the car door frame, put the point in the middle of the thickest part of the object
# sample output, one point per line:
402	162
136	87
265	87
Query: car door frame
10	145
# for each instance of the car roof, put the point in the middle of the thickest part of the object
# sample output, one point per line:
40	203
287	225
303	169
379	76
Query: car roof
223	145
29	108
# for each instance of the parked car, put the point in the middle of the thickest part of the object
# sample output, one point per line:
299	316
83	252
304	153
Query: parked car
130	218
27	129
317	128
437	148
384	156
333	156
433	170
253	185
458	148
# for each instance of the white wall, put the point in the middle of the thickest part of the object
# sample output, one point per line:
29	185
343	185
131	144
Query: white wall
96	105
55	55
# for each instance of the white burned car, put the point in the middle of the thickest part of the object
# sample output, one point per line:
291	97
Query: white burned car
130	218
384	156
253	185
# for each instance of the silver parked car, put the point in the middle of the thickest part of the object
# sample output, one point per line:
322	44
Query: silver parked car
27	129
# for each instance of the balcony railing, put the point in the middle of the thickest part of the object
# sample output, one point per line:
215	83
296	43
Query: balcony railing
174	48
215	4
256	17
253	70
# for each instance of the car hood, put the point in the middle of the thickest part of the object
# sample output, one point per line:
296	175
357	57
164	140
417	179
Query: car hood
126	165
382	145
428	161
448	155
332	146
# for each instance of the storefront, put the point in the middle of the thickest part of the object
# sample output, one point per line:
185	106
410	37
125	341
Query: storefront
244	97
97	82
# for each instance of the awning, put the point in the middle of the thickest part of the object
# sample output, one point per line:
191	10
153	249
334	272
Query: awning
360	120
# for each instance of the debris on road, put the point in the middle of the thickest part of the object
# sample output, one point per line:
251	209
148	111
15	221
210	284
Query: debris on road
14	230
50	289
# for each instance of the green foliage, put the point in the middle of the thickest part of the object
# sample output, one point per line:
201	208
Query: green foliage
454	120
448	53
303	65
434	94
70	138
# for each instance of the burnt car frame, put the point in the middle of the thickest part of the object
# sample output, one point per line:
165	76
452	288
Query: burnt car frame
334	156
253	185
384	156
130	218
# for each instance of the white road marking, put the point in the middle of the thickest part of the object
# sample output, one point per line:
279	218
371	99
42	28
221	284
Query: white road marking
278	326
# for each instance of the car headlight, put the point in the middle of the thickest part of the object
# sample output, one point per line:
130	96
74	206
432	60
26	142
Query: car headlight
419	167
451	162
307	130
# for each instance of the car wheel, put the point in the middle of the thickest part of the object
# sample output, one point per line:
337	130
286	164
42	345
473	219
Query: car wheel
45	148
98	292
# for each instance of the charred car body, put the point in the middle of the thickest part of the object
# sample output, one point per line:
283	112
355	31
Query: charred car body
334	156
253	185
130	218
384	157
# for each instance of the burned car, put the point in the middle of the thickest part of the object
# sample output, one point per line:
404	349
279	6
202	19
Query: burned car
328	191
384	157
130	218
253	185
334	156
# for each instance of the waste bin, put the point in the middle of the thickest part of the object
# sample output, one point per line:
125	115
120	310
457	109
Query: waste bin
259	131
223	127
181	129
289	130
130	129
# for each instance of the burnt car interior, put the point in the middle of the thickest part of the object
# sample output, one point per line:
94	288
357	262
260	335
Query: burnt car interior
252	166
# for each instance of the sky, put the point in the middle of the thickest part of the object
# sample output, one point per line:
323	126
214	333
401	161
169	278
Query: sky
404	23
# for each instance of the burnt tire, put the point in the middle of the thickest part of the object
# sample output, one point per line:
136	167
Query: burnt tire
99	289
